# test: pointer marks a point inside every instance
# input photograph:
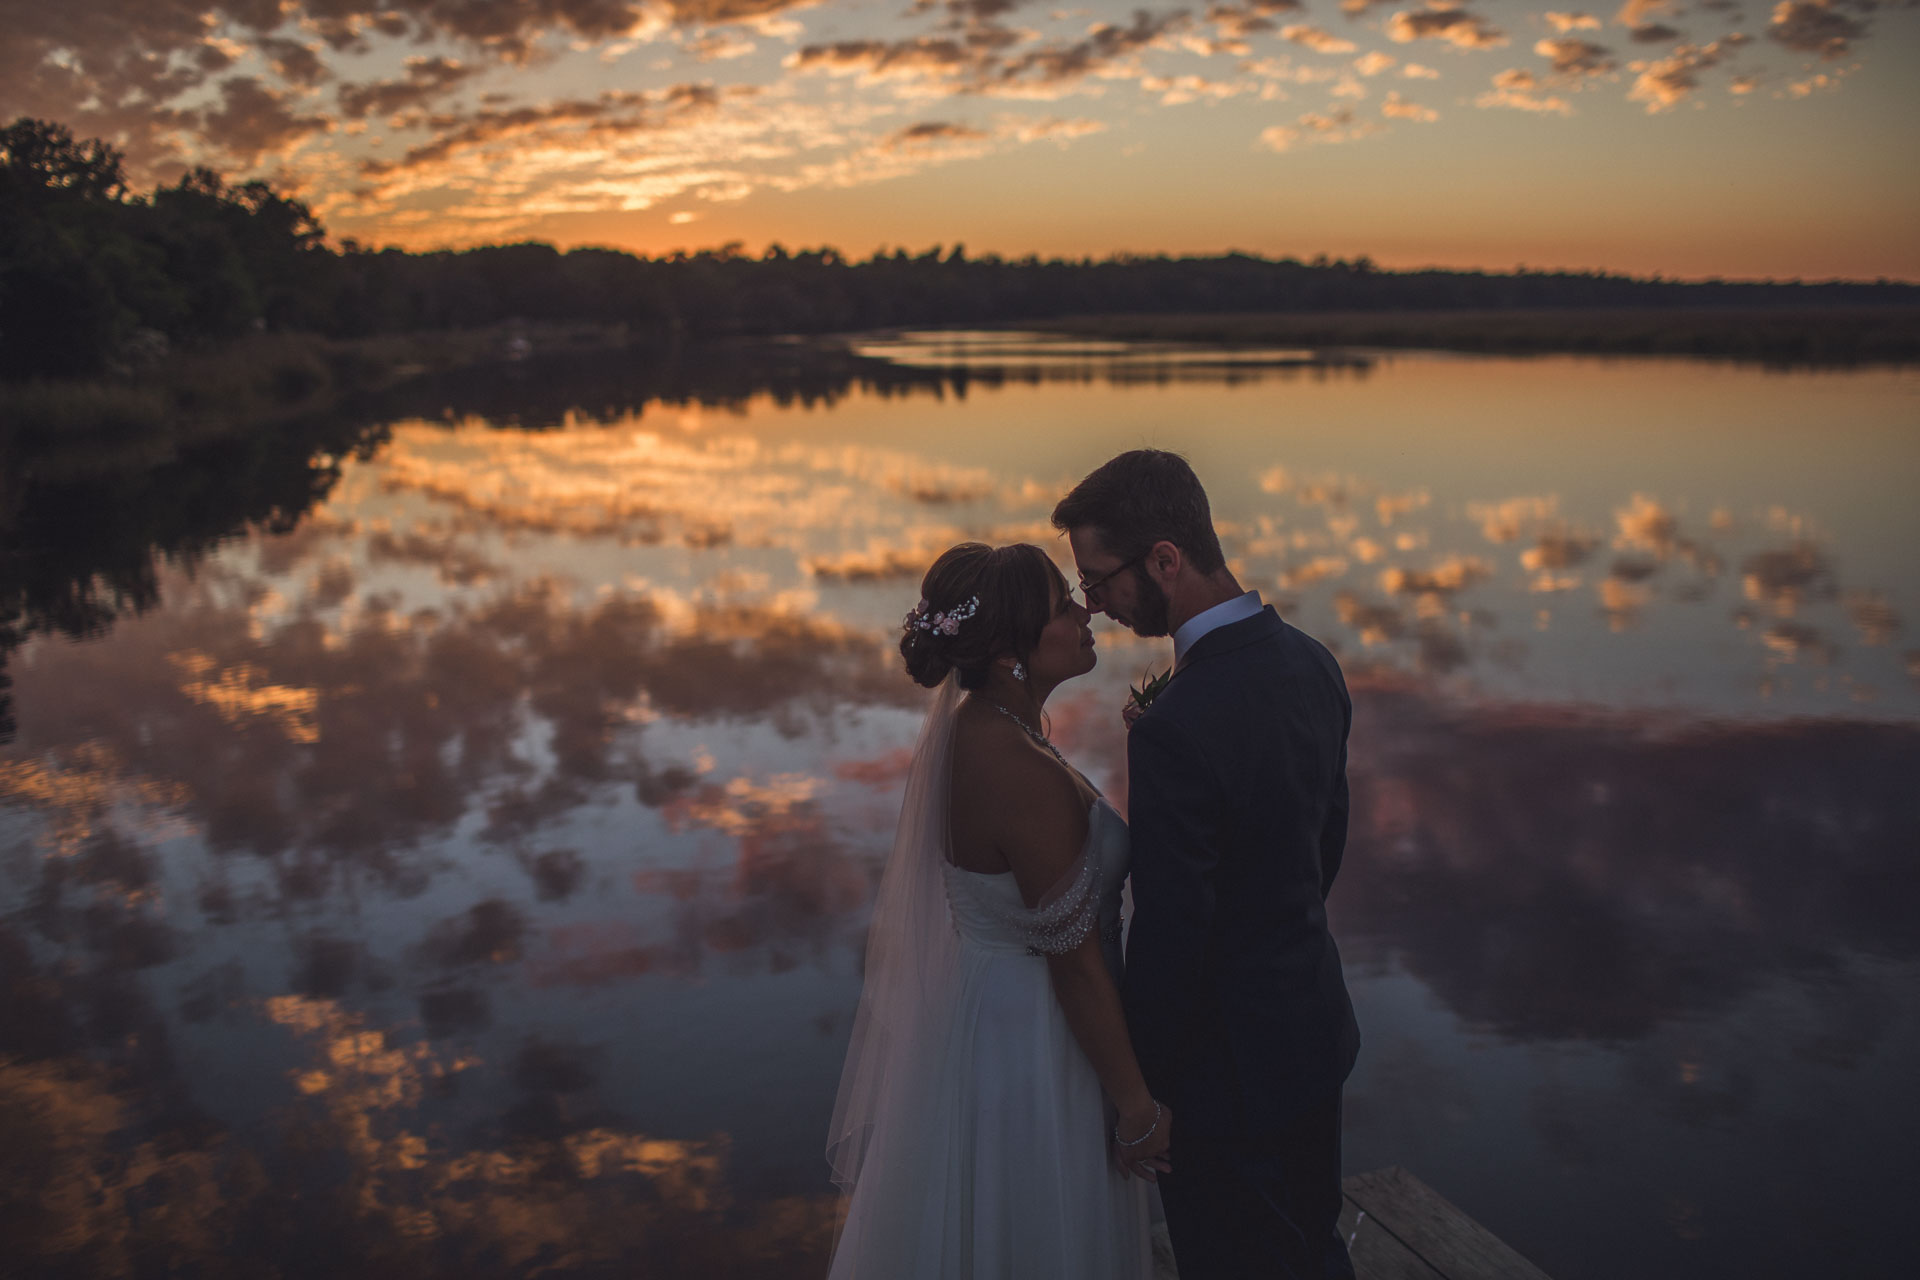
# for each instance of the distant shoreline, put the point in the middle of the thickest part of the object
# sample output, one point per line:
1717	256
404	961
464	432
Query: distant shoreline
1840	335
254	381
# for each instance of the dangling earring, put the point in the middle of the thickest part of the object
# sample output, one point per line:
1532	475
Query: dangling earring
1019	670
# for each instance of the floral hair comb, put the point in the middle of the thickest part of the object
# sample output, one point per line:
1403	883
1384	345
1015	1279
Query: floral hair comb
947	623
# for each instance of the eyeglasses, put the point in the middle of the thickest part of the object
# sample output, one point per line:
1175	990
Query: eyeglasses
1090	589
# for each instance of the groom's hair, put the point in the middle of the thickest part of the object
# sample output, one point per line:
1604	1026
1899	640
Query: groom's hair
1140	498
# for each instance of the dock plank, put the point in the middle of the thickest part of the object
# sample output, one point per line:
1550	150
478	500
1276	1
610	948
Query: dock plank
1447	1240
1376	1253
1399	1228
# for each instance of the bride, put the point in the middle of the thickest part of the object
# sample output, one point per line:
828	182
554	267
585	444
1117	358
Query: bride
990	1112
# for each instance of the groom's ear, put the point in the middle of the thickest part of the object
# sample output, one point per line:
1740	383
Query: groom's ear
1164	560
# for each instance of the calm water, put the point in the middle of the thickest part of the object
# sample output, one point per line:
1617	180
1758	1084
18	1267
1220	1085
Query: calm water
445	848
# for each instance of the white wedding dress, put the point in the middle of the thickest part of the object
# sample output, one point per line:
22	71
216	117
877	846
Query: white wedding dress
970	1135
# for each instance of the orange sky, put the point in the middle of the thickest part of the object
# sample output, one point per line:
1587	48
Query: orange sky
1691	137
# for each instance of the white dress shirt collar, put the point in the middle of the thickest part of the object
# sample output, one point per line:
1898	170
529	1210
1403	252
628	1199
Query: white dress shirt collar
1238	609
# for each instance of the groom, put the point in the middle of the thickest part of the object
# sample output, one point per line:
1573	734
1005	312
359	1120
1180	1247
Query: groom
1238	806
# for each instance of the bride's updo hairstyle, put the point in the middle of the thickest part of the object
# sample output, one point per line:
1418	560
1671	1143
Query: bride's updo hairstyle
1016	588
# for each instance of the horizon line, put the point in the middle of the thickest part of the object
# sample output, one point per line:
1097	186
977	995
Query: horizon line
736	249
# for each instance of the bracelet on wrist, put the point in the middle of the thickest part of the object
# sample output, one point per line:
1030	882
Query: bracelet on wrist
1151	1130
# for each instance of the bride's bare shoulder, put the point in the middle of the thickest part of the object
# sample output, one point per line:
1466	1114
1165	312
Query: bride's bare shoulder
987	747
1014	807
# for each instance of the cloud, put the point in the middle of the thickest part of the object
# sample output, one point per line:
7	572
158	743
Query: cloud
143	74
1335	124
1874	616
1052	129
1787	578
1646	525
1635	12
1175	90
1102	47
1812	84
966	13
425	80
1389	506
1315	39
1414	71
1559	548
293	61
1238	21
1327	121
1622	603
907	151
1443	21
1447	576
1576	57
717	46
880	59
1373	63
1565	22
1813	26
1654	33
1664	84
977	60
1792	641
253	120
931	132
1374	623
1518	89
1401	110
491	932
1279	137
614	111
1317	569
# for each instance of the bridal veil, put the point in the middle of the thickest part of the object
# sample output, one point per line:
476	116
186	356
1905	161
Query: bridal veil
911	960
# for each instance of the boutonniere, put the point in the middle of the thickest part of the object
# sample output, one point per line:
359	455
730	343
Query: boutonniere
1149	689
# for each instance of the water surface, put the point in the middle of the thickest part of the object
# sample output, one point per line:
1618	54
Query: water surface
446	846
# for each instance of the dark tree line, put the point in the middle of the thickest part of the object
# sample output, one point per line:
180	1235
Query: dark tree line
90	273
724	293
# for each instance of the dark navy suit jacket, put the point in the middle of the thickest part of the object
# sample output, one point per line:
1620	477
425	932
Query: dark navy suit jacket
1237	798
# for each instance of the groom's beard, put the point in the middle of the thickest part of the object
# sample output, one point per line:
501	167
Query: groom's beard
1150	606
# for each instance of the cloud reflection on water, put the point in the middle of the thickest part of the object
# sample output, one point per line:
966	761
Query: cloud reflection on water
1563	872
586	719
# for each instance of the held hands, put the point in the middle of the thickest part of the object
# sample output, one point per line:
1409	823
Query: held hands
1131	712
1140	1142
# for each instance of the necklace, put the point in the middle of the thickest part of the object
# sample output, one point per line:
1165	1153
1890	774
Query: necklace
1031	732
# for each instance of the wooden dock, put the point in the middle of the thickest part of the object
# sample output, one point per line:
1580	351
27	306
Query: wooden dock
1402	1229
1399	1228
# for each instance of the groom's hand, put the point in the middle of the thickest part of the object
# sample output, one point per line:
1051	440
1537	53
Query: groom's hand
1131	712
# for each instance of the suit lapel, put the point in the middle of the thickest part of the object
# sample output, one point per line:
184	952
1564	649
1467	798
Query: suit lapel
1235	635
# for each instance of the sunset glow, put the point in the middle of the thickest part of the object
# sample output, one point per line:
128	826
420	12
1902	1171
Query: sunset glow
1712	137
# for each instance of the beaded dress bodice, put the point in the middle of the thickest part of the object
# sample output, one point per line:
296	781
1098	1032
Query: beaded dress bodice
989	913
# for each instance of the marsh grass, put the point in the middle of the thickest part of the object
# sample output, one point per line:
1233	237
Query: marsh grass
140	419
